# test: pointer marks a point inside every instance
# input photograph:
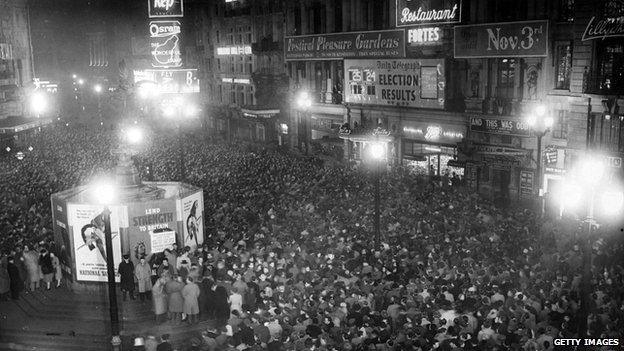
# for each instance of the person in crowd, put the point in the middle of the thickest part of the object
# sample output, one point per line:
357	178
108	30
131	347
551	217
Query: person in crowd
16	281
183	268
126	271
221	305
139	344
165	267
206	299
45	262
58	270
5	280
172	259
143	275
236	300
151	344
31	262
175	300
159	297
164	345
190	293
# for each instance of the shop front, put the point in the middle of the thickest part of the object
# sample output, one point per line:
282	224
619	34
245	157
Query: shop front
258	124
431	148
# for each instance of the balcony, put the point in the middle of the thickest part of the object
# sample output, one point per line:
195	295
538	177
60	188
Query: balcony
603	84
325	97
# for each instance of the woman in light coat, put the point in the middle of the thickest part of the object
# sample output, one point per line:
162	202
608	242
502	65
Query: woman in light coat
176	302
31	262
159	297
143	275
190	293
58	272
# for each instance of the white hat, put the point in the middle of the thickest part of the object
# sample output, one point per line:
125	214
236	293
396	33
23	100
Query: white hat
139	342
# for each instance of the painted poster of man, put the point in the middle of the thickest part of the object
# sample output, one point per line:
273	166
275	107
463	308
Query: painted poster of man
193	208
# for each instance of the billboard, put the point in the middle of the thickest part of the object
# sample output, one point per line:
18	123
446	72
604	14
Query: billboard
165	8
407	82
381	43
148	218
500	126
165	44
89	242
192	218
170	81
510	39
602	27
161	239
417	12
61	235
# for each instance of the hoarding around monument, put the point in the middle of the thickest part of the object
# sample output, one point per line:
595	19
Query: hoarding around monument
192	218
407	82
382	43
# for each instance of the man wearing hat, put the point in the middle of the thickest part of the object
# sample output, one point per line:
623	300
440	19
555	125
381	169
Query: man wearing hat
126	271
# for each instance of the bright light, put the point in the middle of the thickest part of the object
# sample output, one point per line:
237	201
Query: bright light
591	170
97	88
190	111
169	111
20	155
147	90
540	110
303	100
38	102
81	81
611	202
377	151
74	76
8	149
30	148
531	120
569	195
103	192
134	135
548	122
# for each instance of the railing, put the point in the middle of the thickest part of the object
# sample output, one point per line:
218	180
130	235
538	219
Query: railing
603	84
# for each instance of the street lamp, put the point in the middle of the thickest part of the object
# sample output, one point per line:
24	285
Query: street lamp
377	152
540	124
38	103
304	102
104	194
97	88
588	184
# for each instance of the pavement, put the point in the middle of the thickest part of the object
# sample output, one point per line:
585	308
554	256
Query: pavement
60	319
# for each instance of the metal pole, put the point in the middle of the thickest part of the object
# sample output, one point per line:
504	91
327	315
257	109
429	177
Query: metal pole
181	154
377	203
112	292
539	162
586	279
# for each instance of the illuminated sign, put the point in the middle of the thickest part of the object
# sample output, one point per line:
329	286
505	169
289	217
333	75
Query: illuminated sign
165	44
434	133
600	28
417	12
500	126
510	39
234	50
6	51
165	8
424	36
170	81
236	80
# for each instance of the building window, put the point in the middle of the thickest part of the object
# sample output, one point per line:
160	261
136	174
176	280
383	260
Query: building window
218	37
563	65
506	79
566	10
560	126
610	74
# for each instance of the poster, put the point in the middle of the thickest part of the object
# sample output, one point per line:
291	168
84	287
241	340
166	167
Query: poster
63	246
406	82
192	217
89	242
145	219
161	239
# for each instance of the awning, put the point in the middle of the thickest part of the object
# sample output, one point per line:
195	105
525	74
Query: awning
259	112
16	124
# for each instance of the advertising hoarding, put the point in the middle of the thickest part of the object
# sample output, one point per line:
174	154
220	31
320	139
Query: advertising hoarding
407	82
161	239
165	8
382	43
170	81
165	44
61	235
499	126
192	216
145	219
89	242
418	12
604	27
510	39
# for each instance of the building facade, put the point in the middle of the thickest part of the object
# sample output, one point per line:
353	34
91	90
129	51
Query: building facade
16	69
452	85
243	72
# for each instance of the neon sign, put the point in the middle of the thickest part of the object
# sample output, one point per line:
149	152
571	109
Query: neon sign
234	50
433	133
165	8
236	80
424	36
165	44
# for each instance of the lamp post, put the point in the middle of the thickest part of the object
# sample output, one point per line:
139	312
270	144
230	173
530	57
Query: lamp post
588	185
104	194
377	153
540	124
304	102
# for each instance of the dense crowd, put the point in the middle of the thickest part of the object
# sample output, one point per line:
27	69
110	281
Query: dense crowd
289	260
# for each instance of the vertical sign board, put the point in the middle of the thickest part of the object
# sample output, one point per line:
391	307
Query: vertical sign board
146	219
165	44
420	12
89	248
192	208
511	39
526	184
165	8
61	234
407	82
170	81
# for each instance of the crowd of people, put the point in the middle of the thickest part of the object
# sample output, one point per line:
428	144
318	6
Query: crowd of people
290	262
